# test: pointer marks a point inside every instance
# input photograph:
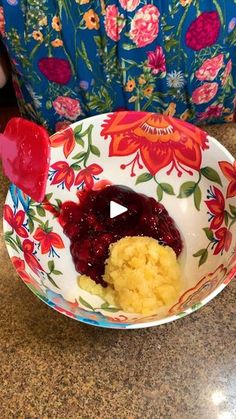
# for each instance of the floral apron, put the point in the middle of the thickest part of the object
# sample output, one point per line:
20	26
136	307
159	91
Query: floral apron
76	58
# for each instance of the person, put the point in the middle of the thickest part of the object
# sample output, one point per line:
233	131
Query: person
71	59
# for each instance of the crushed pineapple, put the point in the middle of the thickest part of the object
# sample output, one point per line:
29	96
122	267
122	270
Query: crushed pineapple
142	276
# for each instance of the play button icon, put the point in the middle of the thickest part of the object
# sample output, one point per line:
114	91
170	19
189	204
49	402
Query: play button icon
116	209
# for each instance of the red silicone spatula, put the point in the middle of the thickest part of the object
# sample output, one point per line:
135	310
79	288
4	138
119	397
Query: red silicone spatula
25	154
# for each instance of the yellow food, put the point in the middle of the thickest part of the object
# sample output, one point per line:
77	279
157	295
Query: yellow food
142	276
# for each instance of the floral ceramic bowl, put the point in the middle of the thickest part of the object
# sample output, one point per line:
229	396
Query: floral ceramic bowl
176	163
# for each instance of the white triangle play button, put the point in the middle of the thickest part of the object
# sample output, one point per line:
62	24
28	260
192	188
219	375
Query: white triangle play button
116	209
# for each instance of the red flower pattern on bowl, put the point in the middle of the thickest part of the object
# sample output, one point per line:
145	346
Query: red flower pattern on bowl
63	174
86	176
229	171
48	240
223	238
20	267
32	262
65	138
216	206
15	221
162	141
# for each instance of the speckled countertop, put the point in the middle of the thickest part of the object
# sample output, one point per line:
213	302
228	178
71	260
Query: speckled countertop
54	367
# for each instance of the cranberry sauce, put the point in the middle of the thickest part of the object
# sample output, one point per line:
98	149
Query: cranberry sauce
91	230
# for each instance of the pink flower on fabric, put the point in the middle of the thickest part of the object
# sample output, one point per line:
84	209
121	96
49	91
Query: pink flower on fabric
67	107
203	31
212	112
2	22
129	5
227	72
145	26
156	60
204	93
210	68
114	22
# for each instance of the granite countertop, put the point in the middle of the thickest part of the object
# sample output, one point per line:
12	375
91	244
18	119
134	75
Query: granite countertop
54	367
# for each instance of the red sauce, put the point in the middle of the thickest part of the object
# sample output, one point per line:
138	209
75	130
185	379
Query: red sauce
91	230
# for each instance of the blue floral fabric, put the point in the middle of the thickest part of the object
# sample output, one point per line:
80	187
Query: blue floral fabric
76	58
